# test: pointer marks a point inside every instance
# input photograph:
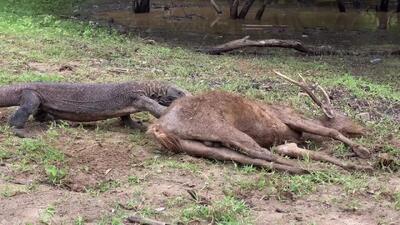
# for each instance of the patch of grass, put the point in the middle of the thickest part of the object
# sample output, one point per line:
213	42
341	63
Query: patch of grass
247	169
248	184
362	88
300	185
225	211
79	221
139	138
397	200
7	78
178	201
47	215
182	165
107	186
158	163
341	150
38	152
147	211
54	174
6	192
4	154
116	218
133	180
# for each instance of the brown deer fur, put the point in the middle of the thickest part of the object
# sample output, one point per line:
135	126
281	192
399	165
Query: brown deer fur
225	126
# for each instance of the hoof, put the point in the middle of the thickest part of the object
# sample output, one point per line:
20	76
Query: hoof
362	152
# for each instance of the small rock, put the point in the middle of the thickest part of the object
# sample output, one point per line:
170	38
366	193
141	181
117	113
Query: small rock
278	210
150	42
160	209
298	218
375	60
365	116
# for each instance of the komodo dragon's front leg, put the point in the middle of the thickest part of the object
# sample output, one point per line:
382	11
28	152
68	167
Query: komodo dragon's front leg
28	105
147	104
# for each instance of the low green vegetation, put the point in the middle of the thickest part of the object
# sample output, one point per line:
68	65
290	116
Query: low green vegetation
47	214
225	211
37	152
397	200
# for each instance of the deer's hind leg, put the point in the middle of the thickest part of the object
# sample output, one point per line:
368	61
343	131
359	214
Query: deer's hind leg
313	128
292	150
233	138
198	149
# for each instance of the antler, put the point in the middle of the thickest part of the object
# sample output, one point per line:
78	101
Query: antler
325	106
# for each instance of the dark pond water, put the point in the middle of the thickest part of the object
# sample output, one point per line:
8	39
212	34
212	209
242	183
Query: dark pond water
196	24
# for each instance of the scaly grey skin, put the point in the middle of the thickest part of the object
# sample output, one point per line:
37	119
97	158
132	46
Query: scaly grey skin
87	102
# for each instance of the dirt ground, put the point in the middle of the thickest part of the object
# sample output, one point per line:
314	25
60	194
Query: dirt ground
101	157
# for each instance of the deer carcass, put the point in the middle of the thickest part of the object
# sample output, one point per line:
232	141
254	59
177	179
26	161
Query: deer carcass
225	126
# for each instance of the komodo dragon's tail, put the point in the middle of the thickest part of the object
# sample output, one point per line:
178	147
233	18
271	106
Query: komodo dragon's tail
167	140
10	95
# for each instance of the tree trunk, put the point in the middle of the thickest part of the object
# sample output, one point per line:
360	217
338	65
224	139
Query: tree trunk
233	11
398	6
341	6
357	4
141	6
245	9
384	6
260	12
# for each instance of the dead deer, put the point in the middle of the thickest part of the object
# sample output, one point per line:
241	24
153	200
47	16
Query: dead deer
225	126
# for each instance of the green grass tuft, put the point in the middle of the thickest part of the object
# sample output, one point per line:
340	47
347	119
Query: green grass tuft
225	211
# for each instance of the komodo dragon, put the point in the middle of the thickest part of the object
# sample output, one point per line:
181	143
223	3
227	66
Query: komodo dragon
86	102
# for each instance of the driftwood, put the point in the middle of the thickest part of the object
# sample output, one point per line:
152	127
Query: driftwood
291	44
144	221
216	6
228	127
277	43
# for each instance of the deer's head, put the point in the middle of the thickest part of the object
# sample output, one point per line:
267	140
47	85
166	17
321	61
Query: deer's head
332	118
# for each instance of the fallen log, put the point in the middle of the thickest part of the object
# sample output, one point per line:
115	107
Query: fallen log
216	7
291	44
277	43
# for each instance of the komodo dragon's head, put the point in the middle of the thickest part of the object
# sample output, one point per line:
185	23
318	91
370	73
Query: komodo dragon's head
166	93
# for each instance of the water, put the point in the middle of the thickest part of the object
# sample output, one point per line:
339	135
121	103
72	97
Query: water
196	24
